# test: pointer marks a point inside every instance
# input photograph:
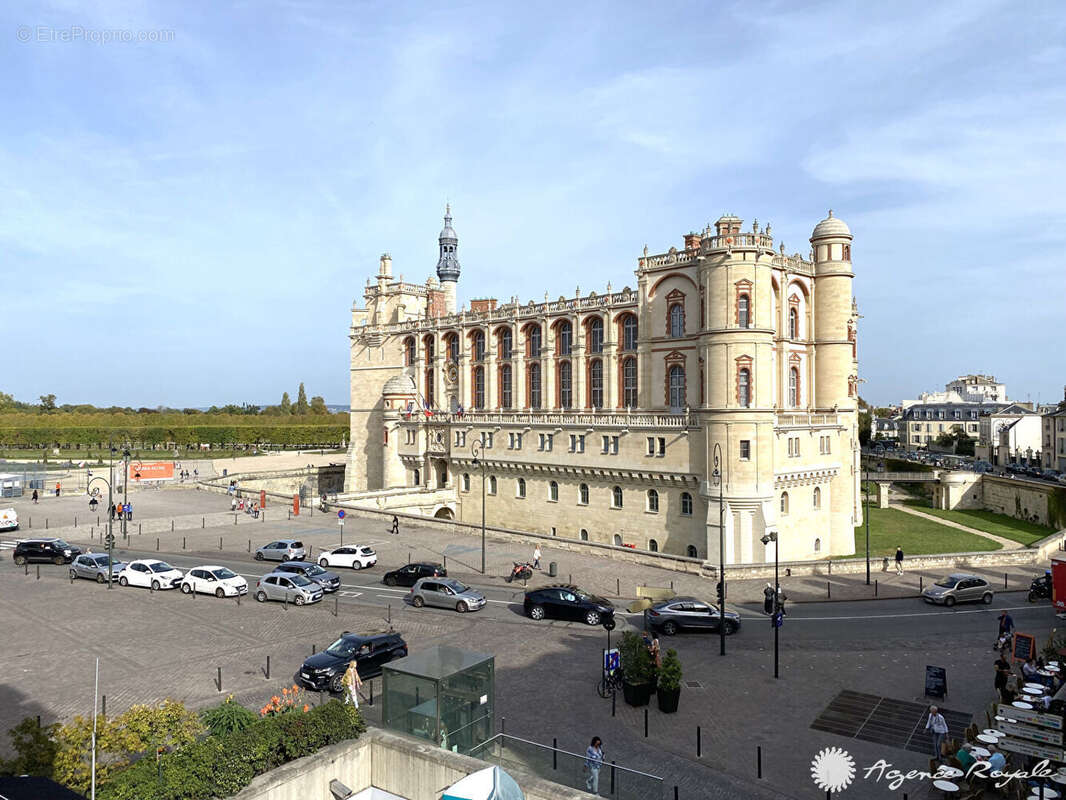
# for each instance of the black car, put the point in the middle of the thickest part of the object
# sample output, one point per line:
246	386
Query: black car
409	575
567	602
326	669
54	550
690	614
329	581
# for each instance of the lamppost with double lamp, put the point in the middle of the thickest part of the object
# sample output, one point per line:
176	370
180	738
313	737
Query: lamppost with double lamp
778	606
866	493
125	488
109	539
475	450
716	479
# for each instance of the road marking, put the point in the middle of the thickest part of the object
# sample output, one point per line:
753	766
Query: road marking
889	616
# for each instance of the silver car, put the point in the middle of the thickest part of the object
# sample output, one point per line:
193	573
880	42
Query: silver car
287	588
445	593
959	588
281	550
94	567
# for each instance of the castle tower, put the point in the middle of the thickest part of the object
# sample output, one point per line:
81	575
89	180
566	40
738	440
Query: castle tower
448	263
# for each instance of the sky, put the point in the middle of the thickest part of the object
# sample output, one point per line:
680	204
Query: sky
193	194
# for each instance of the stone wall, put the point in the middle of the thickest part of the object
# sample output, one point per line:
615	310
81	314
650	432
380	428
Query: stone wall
1017	498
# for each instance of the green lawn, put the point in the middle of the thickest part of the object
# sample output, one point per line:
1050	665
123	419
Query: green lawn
891	528
1017	530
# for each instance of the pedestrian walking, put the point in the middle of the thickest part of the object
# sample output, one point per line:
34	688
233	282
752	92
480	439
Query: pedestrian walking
57	490
111	511
129	511
1002	667
939	727
352	682
1006	632
233	504
899	560
395	525
92	504
35	497
593	763
536	557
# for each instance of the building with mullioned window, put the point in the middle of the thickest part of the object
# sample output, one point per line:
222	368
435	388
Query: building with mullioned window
598	416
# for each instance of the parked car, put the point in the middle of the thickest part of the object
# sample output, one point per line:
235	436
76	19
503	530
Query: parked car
9	519
326	669
288	588
54	550
562	601
959	589
150	573
354	556
95	567
281	550
216	580
329	581
409	575
690	614
445	593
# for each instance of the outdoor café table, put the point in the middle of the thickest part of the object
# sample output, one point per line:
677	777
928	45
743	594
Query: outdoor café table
1059	778
1022	704
947	787
949	772
1049	794
1034	685
993	732
1032	690
986	739
982	752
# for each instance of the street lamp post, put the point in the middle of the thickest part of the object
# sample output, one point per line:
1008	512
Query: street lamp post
716	479
110	538
475	451
771	536
866	493
125	489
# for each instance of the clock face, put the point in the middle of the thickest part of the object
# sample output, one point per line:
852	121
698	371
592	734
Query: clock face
452	373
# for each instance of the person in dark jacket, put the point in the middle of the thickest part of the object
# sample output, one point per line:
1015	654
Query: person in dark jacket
899	560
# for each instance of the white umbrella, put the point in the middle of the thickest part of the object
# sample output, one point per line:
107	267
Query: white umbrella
491	783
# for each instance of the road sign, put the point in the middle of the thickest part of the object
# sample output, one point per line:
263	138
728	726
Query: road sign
936	681
778	619
611	660
340	514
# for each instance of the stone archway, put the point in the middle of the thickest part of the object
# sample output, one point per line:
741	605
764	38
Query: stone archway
444	513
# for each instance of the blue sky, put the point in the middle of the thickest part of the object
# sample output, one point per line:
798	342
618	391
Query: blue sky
187	222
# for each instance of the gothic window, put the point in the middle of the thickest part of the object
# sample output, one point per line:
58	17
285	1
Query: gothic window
677	320
596	383
553	492
479	345
595	335
505	343
466	481
430	396
744	388
629	383
793	323
677	387
520	488
534	385
692	552
817	497
452	345
418	478
617	540
479	387
584	535
744	311
533	341
616	497
686	504
793	387
429	346
505	386
847	252
653	545
583	494
784	502
565	338
566	391
629	332
653	501
492	484
408	352
817	545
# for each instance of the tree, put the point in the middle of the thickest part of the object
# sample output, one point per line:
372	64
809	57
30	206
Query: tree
48	402
865	424
286	403
35	747
301	401
6	401
318	405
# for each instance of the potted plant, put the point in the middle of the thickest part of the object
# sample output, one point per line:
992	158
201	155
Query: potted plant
669	691
637	667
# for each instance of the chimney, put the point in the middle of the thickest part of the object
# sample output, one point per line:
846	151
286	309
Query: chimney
386	266
483	305
692	241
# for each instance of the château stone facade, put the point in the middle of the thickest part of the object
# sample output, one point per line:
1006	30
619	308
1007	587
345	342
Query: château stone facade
596	416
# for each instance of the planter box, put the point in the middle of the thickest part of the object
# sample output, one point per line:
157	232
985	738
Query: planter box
669	699
637	694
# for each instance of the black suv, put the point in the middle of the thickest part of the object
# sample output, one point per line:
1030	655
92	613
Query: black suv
325	670
409	575
55	550
567	602
329	581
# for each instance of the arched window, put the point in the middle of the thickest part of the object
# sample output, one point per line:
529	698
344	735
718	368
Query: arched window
692	552
794	387
492	484
596	383
784	502
505	343
629	383
629	332
430	347
408	352
478	341
583	494
479	387
653	545
817	497
533	342
817	545
430	388
533	377
520	488
653	501
553	492
677	387
466	481
506	395
793	323
744	311
595	335
566	389
617	540
616	497
677	321
584	535
744	388
418	478
686	504
451	344
565	339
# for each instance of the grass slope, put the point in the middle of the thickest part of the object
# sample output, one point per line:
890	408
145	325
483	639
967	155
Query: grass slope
891	528
1017	530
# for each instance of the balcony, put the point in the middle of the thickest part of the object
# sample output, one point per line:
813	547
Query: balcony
605	419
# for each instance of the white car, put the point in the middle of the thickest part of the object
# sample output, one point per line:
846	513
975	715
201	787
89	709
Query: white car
9	519
216	580
355	556
150	573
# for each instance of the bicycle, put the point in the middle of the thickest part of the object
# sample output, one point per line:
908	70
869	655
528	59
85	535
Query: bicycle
610	683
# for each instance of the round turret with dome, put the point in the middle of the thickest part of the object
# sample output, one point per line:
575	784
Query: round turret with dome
831	226
448	263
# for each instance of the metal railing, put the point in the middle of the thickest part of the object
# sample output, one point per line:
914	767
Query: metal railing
569	769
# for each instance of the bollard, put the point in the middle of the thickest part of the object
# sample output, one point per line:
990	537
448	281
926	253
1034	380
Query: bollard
313	648
645	722
570	578
38	572
875	587
268	668
72	578
172	526
612	778
617	587
555	753
336	605
446	563
220	679
249	545
219	542
758	761
675	791
613	701
238	600
371	691
388	609
75	520
27	566
1004	581
699	742
408	556
104	711
31	522
97	519
828	591
138	529
46	523
920	581
157	543
203	522
182	542
671	586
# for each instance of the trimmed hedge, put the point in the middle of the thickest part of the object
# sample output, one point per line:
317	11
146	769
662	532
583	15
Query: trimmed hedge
220	766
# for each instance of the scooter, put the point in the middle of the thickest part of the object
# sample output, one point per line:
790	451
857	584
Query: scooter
1040	589
520	572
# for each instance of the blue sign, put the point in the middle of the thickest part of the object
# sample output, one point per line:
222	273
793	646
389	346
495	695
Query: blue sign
611	660
778	619
340	514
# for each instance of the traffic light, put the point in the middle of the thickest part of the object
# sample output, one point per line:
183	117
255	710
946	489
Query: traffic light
768	599
109	540
718	592
781	598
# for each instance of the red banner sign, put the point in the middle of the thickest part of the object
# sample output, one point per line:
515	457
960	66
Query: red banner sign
151	471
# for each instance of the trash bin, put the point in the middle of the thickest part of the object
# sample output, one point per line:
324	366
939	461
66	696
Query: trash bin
225	472
553	569
884	565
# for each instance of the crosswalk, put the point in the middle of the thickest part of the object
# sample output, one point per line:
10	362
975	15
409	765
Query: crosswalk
8	544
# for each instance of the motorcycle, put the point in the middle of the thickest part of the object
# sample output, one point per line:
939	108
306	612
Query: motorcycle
520	572
1040	589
